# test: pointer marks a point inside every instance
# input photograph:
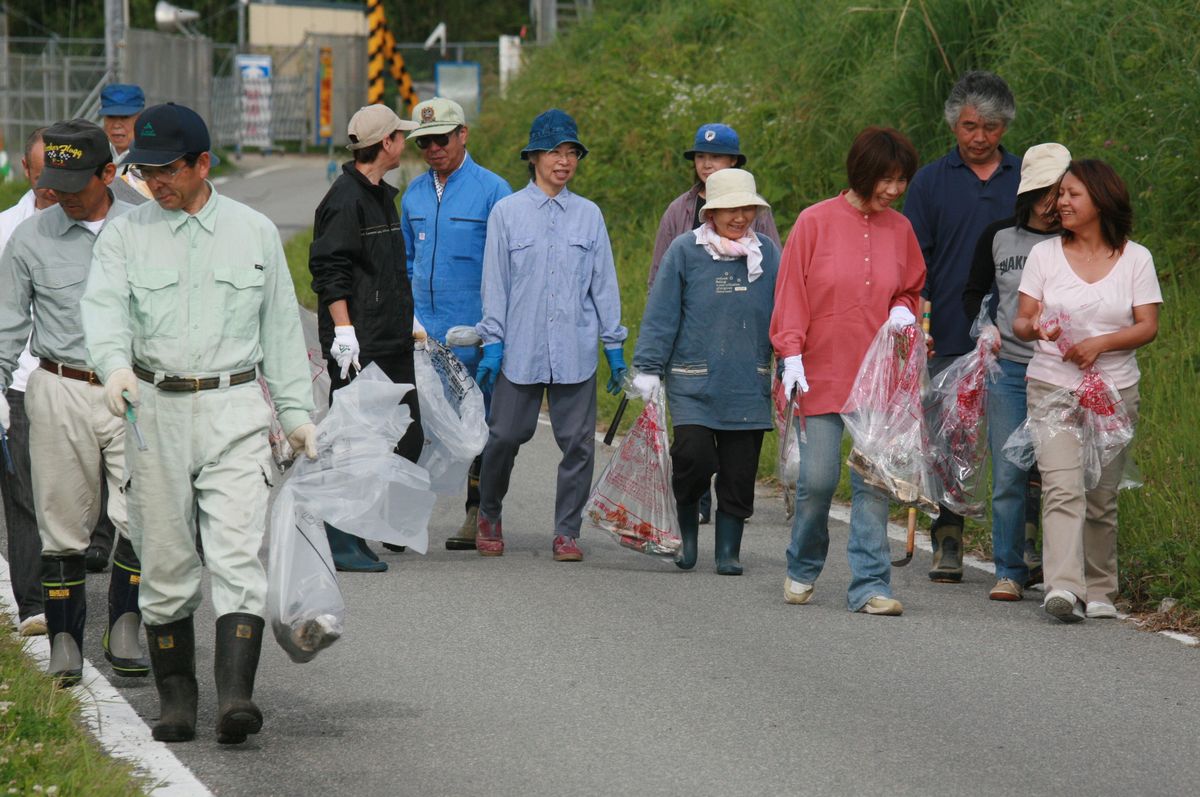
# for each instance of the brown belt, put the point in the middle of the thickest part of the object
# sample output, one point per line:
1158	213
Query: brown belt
190	384
70	373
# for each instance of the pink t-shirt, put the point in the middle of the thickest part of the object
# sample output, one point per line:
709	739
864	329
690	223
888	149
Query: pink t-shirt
1096	308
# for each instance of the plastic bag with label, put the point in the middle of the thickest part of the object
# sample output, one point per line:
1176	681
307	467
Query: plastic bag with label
633	499
884	416
452	417
958	426
789	426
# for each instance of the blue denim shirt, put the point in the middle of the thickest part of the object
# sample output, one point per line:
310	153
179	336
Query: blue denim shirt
949	208
549	287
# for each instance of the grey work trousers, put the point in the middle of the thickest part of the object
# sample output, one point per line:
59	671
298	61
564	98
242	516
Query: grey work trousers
513	421
24	544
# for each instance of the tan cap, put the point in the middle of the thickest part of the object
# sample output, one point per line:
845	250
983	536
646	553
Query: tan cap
372	124
436	115
731	188
1043	166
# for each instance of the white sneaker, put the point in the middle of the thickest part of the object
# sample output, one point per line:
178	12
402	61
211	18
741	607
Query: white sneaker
796	592
1064	605
1099	610
34	625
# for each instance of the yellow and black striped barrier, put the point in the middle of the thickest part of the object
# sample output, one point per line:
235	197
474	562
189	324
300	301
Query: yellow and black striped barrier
381	52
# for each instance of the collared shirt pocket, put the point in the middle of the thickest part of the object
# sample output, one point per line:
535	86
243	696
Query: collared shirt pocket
239	297
59	285
154	303
688	378
580	249
522	257
469	237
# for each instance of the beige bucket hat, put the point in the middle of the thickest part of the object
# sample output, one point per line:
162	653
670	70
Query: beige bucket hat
1043	166
731	188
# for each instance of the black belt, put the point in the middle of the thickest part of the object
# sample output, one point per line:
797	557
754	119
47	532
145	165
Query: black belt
191	384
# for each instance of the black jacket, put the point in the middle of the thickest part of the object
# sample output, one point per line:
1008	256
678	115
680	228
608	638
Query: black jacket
357	254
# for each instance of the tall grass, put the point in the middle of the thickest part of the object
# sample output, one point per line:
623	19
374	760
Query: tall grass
1115	79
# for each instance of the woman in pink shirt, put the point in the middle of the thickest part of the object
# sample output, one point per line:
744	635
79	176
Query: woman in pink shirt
850	265
1107	285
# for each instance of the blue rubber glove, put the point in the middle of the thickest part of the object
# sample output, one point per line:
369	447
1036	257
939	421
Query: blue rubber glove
616	365
489	365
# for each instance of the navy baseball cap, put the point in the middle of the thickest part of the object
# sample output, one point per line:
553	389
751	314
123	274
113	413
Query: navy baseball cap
549	129
121	99
74	151
165	133
717	139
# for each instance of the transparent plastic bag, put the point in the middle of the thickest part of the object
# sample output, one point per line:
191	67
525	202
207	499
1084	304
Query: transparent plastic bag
885	419
303	598
1093	412
633	499
358	484
452	417
958	426
787	462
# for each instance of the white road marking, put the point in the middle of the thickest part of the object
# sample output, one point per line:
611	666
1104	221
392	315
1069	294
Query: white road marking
274	167
112	721
220	180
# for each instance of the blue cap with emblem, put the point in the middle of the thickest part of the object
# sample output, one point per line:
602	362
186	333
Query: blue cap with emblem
718	139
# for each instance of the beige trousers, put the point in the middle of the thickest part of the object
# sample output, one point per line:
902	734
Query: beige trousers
208	465
1079	527
74	442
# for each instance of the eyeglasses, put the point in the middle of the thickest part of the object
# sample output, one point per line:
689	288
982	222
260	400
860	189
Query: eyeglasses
160	174
569	155
441	139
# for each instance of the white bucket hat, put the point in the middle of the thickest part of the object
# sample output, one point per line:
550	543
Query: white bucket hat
731	188
1043	166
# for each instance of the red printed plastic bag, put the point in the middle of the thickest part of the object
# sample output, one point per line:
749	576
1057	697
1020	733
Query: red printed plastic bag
633	498
958	426
885	418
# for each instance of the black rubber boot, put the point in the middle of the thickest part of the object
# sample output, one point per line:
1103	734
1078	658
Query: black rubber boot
239	641
65	601
123	640
705	507
348	553
173	655
729	544
689	531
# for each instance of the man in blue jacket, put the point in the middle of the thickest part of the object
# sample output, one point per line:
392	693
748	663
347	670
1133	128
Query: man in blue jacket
444	216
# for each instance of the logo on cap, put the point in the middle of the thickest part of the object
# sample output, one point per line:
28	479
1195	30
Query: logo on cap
709	135
61	155
148	130
427	115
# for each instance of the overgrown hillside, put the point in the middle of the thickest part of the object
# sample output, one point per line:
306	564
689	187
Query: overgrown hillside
1115	79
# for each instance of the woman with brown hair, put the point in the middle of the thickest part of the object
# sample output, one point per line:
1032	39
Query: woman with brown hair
1107	285
851	265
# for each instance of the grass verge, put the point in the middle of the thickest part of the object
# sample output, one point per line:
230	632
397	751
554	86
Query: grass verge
43	748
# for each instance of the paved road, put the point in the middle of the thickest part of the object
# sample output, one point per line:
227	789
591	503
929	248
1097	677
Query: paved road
623	675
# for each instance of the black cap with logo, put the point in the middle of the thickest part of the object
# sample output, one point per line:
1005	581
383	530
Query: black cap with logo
74	151
165	133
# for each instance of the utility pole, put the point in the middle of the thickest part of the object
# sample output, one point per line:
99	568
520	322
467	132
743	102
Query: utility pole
116	21
547	21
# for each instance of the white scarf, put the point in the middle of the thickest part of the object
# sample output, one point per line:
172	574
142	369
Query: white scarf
722	248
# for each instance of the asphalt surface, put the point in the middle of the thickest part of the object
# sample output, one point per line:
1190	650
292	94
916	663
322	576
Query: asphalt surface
460	675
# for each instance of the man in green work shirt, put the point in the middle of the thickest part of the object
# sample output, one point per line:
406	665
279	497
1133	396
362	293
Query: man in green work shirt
188	297
73	444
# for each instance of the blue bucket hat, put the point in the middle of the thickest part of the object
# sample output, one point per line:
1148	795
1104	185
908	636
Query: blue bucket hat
549	129
718	139
121	99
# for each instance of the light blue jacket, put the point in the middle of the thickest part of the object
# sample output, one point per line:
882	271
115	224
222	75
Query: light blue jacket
444	244
706	331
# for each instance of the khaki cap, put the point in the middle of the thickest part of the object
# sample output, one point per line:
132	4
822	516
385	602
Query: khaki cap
437	115
372	124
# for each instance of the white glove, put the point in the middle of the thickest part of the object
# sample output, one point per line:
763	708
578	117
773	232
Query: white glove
418	332
901	317
793	375
304	438
647	386
120	381
5	414
345	349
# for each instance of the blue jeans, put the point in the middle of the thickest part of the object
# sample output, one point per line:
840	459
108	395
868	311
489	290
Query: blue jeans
1005	412
867	550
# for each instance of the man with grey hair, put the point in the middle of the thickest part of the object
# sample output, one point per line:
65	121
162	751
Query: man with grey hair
950	202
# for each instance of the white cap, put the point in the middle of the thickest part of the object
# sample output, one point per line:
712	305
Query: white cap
1043	166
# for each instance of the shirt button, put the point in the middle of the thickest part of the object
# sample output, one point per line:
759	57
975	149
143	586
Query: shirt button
867	259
